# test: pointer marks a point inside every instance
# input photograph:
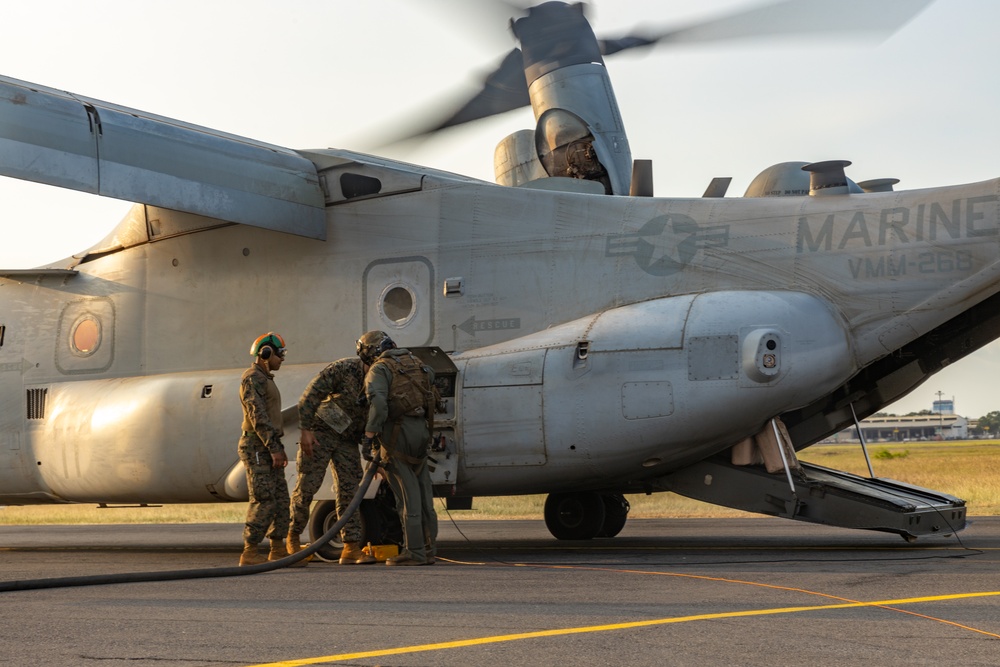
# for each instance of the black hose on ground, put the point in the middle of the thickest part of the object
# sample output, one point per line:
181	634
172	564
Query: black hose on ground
204	573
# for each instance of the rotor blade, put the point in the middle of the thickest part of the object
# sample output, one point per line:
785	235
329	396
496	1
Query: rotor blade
484	22
504	90
789	18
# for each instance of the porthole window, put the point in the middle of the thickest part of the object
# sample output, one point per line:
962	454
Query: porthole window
398	305
85	337
86	341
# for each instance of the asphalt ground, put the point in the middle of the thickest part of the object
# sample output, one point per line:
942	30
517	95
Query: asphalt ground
754	591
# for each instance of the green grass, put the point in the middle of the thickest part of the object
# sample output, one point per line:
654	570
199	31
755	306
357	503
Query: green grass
886	454
513	507
966	469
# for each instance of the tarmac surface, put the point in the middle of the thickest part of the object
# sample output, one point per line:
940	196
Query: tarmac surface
755	591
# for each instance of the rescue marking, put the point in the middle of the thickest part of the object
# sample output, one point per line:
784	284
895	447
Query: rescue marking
472	325
637	624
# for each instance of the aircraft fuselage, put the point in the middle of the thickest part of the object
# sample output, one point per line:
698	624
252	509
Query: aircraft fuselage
599	340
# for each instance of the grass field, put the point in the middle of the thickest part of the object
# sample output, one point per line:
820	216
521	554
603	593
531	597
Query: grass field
966	469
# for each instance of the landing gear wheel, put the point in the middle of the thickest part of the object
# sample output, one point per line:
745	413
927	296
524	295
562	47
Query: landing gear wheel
379	523
616	509
574	516
321	519
381	519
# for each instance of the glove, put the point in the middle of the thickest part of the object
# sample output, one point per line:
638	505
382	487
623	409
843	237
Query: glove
369	450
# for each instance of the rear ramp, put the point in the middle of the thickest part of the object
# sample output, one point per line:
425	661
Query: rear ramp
822	495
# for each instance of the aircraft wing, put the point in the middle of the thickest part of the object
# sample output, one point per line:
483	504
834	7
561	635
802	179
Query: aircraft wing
54	137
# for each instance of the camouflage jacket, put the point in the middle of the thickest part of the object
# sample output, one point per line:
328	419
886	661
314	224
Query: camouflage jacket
343	382
262	407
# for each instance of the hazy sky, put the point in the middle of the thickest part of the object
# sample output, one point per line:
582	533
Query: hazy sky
921	106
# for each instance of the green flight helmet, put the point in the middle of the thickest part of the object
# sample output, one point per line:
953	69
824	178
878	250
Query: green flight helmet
372	344
266	345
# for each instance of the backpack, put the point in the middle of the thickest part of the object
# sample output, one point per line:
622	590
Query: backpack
411	392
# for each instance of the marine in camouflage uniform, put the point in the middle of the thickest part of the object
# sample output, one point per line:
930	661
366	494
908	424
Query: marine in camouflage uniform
335	391
405	451
262	453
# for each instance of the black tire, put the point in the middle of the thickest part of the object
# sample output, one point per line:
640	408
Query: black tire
616	509
382	519
379	523
574	516
321	518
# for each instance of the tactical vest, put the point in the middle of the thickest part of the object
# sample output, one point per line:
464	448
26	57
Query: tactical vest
411	394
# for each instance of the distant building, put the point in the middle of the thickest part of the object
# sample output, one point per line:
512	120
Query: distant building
938	426
944	407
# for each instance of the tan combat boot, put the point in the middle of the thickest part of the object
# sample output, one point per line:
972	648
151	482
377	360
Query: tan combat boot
294	545
353	555
278	551
251	556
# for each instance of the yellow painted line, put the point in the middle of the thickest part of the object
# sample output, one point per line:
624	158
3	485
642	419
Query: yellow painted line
620	626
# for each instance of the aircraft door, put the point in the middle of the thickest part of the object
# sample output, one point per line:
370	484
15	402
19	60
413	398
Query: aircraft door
397	299
501	420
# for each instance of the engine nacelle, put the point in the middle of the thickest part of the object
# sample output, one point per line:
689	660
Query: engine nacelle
515	160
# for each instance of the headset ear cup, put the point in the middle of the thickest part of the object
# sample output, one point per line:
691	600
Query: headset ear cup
265	352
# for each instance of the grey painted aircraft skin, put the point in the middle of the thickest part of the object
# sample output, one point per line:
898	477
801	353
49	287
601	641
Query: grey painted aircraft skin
847	291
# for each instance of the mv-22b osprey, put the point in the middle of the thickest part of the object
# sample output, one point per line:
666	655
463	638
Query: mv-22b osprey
591	340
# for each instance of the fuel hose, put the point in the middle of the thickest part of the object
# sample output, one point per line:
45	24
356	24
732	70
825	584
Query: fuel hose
203	573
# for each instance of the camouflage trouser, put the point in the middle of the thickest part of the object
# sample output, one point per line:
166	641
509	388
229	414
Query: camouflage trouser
346	465
267	514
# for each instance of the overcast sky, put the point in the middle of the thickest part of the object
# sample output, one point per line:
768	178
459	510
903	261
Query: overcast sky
920	106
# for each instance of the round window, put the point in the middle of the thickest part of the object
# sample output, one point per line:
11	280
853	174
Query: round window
397	305
86	336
